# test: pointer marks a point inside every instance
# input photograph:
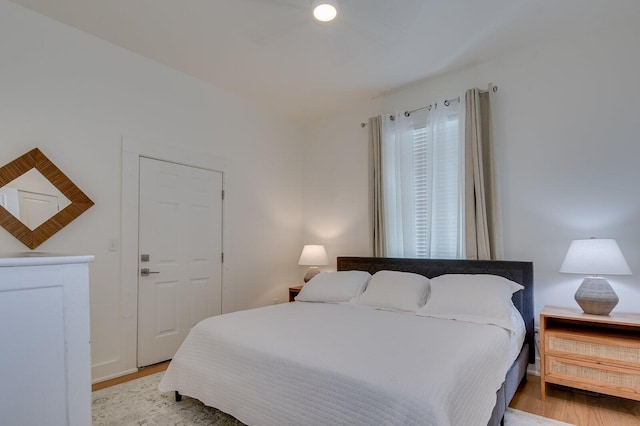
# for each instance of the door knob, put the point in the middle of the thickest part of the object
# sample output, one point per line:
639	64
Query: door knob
145	272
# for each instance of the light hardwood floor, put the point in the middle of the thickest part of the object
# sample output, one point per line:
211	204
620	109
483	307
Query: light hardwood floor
567	405
122	379
576	407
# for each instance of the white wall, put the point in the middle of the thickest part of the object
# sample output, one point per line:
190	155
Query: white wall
335	197
565	122
75	97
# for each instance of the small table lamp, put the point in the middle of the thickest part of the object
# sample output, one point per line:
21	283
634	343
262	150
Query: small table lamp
595	257
313	256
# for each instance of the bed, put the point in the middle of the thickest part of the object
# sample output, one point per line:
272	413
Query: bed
343	363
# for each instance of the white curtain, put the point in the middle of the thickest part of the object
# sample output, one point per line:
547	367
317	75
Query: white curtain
398	185
423	185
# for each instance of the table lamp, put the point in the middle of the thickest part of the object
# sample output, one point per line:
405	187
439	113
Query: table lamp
313	256
594	257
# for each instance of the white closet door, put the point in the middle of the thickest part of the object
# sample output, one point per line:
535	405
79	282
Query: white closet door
180	230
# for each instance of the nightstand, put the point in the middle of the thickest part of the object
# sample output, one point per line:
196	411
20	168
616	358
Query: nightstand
293	292
599	353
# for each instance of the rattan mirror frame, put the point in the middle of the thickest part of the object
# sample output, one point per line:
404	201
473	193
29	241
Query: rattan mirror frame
79	201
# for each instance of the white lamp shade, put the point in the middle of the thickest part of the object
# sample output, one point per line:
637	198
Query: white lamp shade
595	256
313	255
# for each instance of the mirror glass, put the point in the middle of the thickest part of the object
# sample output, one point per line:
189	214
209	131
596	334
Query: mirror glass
37	199
32	199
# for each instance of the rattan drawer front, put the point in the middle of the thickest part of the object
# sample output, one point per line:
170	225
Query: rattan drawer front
622	380
593	349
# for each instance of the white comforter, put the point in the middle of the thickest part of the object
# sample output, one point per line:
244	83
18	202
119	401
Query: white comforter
336	364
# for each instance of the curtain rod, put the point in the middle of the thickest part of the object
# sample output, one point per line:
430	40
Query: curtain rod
428	107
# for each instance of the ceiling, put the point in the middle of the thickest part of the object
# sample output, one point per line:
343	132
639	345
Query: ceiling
272	53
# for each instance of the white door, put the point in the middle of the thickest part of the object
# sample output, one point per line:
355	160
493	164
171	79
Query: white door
180	230
36	208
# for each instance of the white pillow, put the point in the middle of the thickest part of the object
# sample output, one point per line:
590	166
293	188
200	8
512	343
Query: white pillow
483	299
334	287
395	291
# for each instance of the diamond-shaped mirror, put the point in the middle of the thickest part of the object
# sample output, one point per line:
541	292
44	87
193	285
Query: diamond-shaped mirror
37	199
32	199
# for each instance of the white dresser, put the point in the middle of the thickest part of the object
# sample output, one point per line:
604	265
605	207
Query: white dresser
45	365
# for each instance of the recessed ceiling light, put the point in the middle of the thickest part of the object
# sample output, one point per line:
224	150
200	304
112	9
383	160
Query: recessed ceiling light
325	12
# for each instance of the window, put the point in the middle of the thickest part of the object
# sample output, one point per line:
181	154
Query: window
423	183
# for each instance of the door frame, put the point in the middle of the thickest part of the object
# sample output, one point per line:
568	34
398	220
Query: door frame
132	150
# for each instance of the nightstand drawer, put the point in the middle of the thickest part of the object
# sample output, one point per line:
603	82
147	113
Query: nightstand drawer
595	377
610	348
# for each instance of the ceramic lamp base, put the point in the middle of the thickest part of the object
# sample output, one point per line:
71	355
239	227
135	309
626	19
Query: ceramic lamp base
311	272
595	296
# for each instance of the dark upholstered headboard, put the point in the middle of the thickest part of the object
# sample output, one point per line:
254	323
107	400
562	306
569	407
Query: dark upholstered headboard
520	272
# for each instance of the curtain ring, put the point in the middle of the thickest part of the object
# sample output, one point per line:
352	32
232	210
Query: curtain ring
407	114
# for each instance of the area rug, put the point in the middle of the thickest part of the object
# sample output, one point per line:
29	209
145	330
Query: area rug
139	402
522	418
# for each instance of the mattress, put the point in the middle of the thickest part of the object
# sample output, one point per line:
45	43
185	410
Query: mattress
317	364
